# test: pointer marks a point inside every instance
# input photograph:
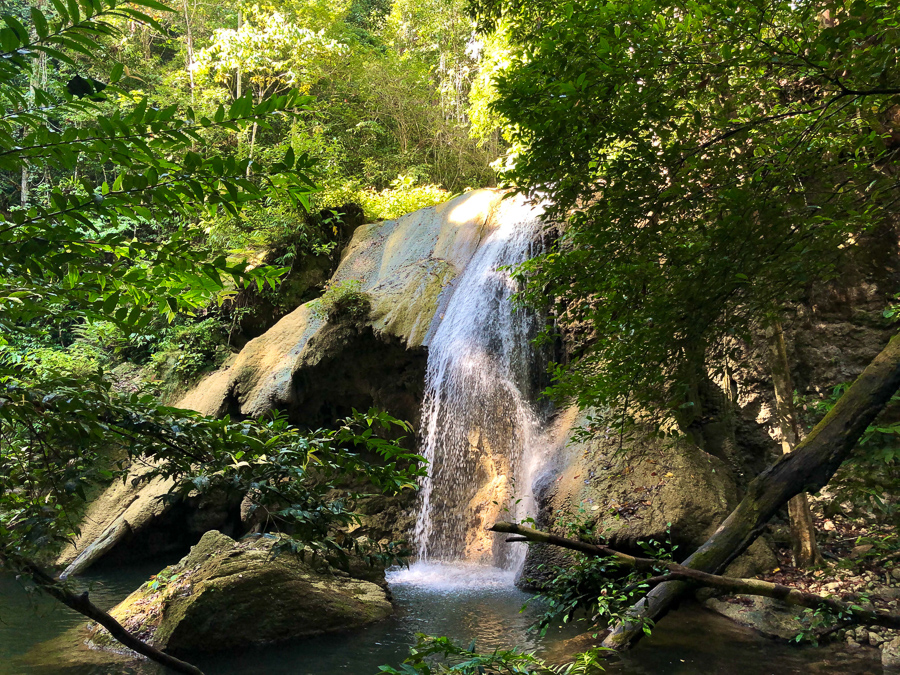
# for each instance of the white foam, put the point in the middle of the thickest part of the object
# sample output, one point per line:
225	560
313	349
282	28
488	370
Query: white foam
441	577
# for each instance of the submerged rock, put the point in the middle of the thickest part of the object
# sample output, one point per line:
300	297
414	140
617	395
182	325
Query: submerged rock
766	615
226	595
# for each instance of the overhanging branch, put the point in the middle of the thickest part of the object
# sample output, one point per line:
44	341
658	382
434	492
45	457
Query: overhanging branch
83	605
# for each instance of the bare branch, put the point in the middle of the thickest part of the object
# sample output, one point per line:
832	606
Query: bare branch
849	612
82	605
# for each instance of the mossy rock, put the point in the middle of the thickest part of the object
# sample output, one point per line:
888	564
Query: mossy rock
227	595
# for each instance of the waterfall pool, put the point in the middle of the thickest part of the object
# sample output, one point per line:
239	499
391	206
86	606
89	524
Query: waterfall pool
465	602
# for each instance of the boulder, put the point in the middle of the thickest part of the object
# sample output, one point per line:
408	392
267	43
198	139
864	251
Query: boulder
227	595
635	489
766	615
890	656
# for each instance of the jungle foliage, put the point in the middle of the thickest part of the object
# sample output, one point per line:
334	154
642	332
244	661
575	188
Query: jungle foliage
710	161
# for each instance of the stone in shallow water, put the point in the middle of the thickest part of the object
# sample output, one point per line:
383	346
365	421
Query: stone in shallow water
226	595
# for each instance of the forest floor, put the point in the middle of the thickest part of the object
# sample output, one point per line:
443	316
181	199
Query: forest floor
862	564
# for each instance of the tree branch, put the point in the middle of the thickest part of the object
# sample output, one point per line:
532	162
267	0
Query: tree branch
807	469
82	605
849	612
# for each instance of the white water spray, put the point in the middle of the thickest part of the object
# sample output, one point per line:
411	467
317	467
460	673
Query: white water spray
478	426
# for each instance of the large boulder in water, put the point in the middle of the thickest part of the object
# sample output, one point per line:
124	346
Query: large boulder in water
226	595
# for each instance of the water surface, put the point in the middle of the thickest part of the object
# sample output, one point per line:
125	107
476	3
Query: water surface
464	602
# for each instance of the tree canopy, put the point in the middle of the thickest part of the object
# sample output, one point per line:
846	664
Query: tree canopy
710	160
72	256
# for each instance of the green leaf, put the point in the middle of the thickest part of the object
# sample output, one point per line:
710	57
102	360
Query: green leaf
40	22
153	4
74	12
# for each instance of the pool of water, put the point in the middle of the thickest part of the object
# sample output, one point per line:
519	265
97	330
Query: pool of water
460	601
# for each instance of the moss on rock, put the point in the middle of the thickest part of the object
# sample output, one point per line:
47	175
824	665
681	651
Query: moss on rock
226	595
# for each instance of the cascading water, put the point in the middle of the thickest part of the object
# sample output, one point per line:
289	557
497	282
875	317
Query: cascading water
477	422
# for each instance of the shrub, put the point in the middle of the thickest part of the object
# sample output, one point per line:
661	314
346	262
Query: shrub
189	350
344	299
403	197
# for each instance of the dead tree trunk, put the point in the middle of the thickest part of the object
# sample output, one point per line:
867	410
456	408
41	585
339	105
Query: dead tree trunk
807	469
803	530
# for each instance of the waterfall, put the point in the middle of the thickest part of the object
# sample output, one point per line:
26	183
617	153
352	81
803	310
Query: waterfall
478	426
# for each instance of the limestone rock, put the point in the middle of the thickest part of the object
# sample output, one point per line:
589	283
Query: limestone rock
404	265
125	506
227	595
634	493
770	617
643	490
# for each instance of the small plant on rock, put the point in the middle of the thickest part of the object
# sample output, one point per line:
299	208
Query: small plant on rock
344	299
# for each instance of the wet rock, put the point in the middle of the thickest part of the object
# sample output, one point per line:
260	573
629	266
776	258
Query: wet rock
227	595
890	656
770	617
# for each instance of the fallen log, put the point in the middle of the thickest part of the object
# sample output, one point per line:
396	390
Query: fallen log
849	612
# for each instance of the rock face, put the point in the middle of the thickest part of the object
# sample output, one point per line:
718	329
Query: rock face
634	490
316	370
110	519
631	493
227	595
405	266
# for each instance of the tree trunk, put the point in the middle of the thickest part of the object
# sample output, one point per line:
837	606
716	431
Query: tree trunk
803	530
807	469
23	199
252	143
189	43
240	21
